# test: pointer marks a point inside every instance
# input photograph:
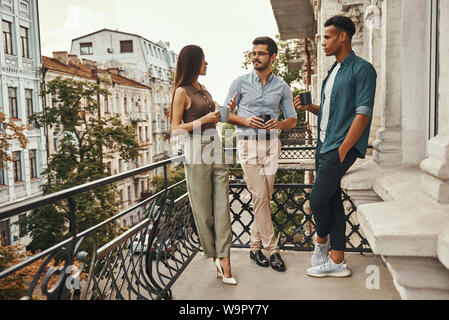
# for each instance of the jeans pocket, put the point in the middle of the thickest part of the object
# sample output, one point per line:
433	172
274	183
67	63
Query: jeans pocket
335	156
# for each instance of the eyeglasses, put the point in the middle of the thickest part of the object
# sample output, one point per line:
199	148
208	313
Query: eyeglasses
260	53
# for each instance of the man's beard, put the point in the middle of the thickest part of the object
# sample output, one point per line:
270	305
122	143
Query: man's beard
262	66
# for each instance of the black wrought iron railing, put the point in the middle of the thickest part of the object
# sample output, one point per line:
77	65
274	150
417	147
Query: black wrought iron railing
298	143
299	136
291	215
144	261
140	263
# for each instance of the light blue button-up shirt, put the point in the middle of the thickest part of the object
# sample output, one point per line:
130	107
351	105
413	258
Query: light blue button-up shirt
253	100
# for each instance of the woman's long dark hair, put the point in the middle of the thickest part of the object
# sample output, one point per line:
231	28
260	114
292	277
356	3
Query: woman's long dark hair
188	68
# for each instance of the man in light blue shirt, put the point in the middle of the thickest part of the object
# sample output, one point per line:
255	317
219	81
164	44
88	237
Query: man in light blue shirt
258	95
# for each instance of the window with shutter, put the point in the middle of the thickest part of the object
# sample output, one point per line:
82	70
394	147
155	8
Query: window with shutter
126	46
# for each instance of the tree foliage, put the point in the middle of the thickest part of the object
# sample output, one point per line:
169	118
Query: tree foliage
10	132
173	176
16	285
87	142
288	50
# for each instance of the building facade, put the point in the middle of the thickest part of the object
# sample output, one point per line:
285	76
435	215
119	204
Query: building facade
140	59
402	190
130	101
20	62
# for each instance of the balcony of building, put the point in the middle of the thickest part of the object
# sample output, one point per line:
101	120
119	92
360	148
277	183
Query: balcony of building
161	258
402	191
136	117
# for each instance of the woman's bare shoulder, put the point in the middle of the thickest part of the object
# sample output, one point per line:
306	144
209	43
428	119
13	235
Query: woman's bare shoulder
181	91
181	97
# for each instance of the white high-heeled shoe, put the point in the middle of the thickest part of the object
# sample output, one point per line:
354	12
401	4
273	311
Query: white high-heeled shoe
221	274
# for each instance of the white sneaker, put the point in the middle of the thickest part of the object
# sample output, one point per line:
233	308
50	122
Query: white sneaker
320	253
330	269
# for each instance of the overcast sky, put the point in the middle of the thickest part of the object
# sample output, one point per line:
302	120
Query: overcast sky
224	29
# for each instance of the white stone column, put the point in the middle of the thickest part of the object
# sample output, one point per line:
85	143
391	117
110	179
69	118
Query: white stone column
435	179
16	35
415	64
372	45
354	9
323	11
388	143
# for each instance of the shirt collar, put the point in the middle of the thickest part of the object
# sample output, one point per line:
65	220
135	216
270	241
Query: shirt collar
345	61
256	76
348	58
196	90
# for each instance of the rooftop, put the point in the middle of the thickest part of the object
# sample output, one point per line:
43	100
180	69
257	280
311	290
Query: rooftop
69	64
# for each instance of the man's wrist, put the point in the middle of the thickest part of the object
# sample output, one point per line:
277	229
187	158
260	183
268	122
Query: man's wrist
344	149
281	125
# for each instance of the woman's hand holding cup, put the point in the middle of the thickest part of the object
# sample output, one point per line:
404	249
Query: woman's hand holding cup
212	117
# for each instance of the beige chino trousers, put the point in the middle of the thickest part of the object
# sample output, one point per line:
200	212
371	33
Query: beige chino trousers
259	160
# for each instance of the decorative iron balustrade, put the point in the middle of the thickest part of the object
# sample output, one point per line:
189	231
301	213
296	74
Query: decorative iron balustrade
298	143
297	153
292	218
144	261
140	263
299	136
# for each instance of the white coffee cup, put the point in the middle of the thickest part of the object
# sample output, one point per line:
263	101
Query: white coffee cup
224	113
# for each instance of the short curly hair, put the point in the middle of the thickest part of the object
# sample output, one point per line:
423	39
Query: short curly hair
343	23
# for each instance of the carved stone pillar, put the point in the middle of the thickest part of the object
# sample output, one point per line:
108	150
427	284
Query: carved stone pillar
373	53
388	143
353	9
435	179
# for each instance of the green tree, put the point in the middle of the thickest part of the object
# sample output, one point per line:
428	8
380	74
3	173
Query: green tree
174	175
87	142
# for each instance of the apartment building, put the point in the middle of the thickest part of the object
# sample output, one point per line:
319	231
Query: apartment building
130	101
140	59
20	62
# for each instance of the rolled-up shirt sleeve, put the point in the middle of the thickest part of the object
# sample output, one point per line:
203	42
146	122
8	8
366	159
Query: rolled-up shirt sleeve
287	103
365	90
233	89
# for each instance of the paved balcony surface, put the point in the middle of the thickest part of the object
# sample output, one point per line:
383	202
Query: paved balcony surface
198	281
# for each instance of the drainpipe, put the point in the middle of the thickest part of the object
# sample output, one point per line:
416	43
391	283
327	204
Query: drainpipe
309	69
309	82
99	112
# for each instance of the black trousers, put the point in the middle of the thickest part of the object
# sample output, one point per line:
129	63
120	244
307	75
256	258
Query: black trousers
326	199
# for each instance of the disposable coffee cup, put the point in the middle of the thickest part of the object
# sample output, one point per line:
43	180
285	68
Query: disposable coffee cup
224	113
305	97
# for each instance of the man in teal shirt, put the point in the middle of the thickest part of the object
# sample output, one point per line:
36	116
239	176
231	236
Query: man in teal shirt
344	121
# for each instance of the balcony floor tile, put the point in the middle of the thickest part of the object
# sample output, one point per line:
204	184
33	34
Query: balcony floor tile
198	281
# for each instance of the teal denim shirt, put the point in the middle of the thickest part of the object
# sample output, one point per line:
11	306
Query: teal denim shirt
353	93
